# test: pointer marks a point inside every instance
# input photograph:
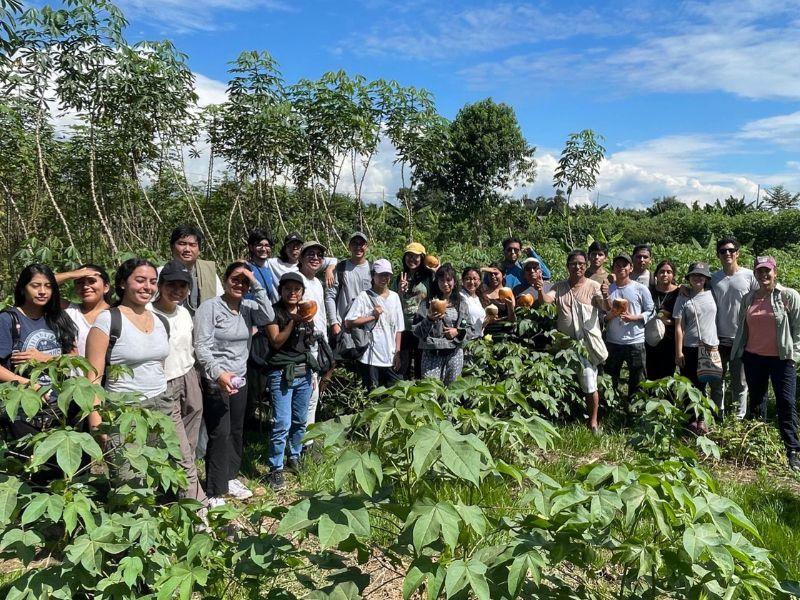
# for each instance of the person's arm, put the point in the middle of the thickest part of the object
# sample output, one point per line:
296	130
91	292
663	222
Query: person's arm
261	311
277	336
218	284
793	313
421	325
679	358
331	294
329	264
546	273
96	348
204	339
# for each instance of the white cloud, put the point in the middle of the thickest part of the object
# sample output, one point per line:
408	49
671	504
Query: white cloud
748	49
783	130
209	91
183	16
444	33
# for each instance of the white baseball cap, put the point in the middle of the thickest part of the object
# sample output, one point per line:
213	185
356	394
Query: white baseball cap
382	266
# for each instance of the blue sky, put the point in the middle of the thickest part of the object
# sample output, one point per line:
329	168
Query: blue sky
696	99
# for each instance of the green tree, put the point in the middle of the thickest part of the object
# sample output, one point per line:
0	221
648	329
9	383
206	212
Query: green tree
666	203
580	162
779	198
486	152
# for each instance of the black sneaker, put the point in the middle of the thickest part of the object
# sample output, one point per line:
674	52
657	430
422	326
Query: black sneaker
293	465
275	480
794	461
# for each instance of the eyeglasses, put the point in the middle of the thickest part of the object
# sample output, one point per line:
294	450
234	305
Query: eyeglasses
514	250
314	254
727	251
263	246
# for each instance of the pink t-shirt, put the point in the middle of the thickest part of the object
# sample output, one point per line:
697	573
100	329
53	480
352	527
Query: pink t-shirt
762	331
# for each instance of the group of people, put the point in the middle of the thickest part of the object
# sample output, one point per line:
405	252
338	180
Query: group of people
206	350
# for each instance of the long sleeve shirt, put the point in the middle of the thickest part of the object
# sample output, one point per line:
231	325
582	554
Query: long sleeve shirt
222	336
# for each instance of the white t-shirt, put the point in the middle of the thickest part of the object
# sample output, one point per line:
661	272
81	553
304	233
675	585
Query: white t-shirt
74	312
476	310
314	291
144	353
279	268
181	345
381	351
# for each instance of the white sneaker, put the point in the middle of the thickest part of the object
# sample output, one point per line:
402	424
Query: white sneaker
214	502
238	490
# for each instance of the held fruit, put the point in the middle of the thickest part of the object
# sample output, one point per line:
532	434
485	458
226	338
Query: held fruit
307	309
438	307
505	293
431	261
619	306
491	311
525	300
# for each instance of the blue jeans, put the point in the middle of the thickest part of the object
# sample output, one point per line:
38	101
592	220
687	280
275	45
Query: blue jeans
289	415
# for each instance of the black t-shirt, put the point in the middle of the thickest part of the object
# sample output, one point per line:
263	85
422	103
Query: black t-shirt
665	301
302	336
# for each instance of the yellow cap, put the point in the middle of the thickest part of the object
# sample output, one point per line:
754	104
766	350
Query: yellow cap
415	248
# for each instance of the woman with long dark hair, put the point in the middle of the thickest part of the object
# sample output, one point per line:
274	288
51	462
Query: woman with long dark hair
471	294
93	287
413	284
661	356
36	327
223	327
140	342
442	325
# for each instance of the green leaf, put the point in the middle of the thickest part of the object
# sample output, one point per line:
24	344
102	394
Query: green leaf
432	520
422	569
69	453
461	574
330	533
132	568
31	402
8	499
425	444
296	518
35	509
462	460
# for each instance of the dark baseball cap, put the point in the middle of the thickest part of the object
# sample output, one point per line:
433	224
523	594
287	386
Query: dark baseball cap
175	271
624	256
699	268
292	276
293	237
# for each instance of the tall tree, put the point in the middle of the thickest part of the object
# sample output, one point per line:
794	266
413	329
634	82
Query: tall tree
580	161
485	152
779	198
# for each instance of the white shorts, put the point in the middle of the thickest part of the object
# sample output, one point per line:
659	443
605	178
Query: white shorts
588	377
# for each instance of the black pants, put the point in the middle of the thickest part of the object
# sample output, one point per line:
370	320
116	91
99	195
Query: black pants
372	376
634	356
689	368
224	416
661	359
759	371
410	357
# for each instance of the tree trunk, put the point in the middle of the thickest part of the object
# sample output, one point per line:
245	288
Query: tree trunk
42	174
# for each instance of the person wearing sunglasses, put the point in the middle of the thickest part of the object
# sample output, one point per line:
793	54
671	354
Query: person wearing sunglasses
513	252
729	285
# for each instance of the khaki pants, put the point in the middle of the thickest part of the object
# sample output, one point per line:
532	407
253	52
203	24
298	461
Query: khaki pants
166	404
186	391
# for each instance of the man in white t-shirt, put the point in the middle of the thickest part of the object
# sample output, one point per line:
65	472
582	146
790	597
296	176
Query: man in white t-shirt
379	310
729	285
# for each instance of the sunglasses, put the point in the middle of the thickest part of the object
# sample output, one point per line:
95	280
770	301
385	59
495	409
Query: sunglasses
727	251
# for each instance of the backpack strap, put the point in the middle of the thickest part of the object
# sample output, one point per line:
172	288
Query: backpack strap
164	322
114	331
16	326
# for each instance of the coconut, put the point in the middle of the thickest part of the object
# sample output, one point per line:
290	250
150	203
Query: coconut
525	300
431	262
505	293
438	307
492	310
307	309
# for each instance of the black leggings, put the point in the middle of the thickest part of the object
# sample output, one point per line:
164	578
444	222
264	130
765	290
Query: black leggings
224	417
